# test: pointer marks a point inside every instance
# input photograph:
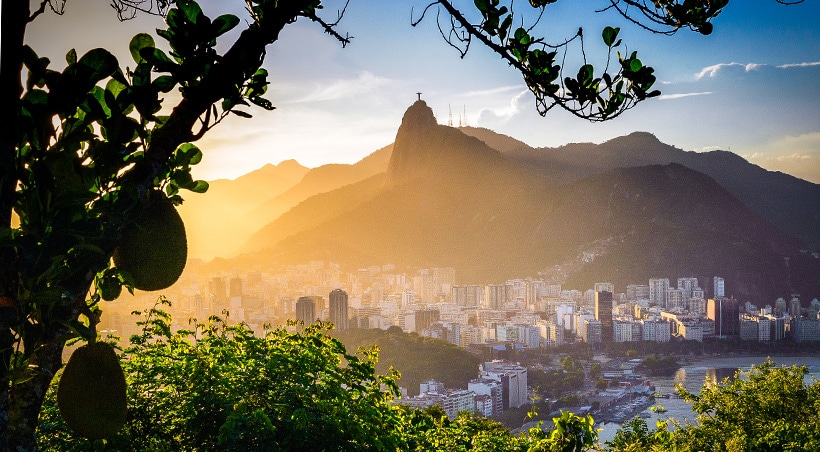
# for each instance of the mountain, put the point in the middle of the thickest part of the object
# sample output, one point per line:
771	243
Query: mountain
219	212
792	204
448	199
322	179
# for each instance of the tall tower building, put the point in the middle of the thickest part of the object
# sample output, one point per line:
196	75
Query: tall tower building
338	309
235	287
305	310
495	295
603	313
688	286
780	307
471	295
795	308
719	288
659	292
725	312
814	308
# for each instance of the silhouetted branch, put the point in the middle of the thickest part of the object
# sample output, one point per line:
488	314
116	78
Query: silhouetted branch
128	9
59	10
330	27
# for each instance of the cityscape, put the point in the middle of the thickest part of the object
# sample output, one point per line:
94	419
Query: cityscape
526	313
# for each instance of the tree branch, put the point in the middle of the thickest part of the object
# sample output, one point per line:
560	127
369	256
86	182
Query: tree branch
229	72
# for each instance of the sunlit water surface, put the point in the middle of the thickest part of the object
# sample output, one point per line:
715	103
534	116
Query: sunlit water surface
693	376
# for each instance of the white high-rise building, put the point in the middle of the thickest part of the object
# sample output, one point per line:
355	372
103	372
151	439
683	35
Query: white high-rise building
719	288
495	295
513	380
688	286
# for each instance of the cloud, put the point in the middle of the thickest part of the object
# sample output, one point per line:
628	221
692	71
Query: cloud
713	70
489	117
708	149
365	83
796	155
803	64
492	91
682	95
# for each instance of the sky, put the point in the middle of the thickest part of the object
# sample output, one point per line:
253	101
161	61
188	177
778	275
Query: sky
751	87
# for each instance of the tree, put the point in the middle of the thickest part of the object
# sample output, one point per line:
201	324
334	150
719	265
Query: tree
87	150
220	387
84	153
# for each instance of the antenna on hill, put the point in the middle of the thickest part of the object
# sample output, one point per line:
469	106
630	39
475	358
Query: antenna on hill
450	117
419	94
466	123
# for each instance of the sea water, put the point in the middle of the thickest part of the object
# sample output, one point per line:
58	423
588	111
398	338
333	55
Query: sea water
693	375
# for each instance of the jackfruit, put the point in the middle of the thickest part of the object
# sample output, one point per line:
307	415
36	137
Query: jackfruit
153	250
91	393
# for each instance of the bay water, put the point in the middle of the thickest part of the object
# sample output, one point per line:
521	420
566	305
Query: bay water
694	374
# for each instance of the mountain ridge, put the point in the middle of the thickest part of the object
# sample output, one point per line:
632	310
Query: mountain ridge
446	198
450	200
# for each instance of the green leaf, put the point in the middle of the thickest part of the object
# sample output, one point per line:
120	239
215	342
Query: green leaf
241	113
101	62
262	102
158	58
71	56
115	87
192	10
164	83
199	186
224	23
482	5
635	65
188	154
610	34
138	43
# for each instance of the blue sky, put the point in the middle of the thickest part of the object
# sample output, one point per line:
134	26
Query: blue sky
751	87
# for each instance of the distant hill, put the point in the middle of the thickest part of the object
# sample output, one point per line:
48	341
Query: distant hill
322	179
792	204
451	200
220	221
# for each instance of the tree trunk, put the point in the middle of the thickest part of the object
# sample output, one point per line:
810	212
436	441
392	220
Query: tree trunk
15	14
26	398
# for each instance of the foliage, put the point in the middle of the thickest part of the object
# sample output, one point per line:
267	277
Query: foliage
571	434
83	152
765	408
419	358
220	387
655	364
619	87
